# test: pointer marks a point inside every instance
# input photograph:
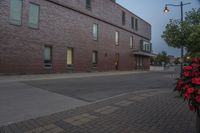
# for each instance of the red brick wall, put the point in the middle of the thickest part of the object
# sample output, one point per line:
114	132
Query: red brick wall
21	48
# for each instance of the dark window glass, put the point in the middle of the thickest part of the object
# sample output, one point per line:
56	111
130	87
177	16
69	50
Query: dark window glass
136	24
123	18
132	22
88	4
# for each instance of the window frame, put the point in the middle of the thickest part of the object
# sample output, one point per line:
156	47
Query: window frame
16	22
136	24
131	42
123	18
72	57
88	4
117	38
95	52
50	64
95	35
133	23
32	25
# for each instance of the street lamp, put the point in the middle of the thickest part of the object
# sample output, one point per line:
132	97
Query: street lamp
167	10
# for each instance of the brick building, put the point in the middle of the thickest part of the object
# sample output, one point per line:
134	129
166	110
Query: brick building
55	36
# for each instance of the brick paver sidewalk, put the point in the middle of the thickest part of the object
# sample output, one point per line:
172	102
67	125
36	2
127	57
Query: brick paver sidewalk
146	111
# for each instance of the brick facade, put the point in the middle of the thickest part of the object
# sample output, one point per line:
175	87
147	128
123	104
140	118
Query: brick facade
65	24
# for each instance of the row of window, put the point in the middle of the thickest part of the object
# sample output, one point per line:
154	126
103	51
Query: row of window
33	20
48	57
134	21
95	31
15	16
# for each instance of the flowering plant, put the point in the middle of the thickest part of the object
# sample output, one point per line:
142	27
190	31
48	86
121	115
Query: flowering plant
189	84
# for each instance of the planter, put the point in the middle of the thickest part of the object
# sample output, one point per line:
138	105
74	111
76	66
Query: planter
198	123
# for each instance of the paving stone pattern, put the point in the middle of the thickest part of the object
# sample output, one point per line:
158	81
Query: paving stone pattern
154	111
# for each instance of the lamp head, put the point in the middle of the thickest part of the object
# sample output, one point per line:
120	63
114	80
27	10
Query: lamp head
166	10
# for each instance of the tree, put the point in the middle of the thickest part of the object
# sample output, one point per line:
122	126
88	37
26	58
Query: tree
162	57
185	33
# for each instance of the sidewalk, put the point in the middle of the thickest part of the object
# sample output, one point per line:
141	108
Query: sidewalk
144	111
64	75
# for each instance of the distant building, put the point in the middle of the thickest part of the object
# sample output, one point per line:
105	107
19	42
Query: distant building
56	36
171	59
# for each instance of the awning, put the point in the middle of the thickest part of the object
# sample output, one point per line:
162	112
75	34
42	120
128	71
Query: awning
142	53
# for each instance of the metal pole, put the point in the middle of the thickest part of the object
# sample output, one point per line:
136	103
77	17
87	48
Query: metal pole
182	41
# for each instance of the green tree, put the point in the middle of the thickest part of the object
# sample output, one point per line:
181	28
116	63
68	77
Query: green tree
186	33
162	57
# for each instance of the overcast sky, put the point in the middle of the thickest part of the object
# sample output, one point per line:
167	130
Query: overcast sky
152	11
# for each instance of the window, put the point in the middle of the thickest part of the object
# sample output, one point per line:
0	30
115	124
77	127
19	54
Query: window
123	18
136	24
88	4
116	37
131	42
15	12
94	58
47	56
70	56
95	32
132	23
33	15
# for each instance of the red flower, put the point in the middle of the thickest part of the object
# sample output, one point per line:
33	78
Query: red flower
180	83
187	68
199	92
192	108
196	81
195	65
186	74
187	86
191	90
195	59
195	73
198	99
187	96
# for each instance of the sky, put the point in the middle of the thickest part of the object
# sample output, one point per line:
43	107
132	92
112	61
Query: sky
152	12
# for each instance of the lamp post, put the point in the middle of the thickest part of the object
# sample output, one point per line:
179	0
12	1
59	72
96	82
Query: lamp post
167	10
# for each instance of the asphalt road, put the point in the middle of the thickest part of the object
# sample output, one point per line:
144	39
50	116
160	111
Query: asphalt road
91	89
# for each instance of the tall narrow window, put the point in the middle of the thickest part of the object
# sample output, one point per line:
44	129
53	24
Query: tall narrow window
123	18
70	57
33	15
94	58
47	56
88	4
132	23
131	42
116	37
15	12
136	24
95	32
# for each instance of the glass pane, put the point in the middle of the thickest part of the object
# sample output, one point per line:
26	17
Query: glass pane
69	56
33	15
131	42
47	53
16	11
117	37
94	57
95	31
